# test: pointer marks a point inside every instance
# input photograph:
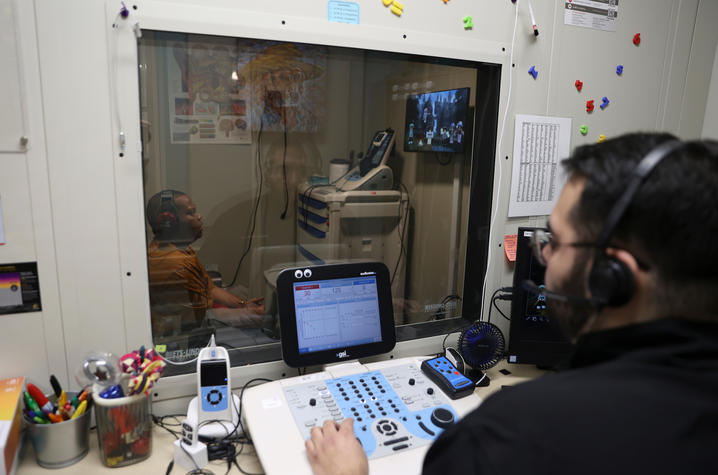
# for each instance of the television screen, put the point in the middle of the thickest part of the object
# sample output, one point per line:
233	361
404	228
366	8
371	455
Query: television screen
436	121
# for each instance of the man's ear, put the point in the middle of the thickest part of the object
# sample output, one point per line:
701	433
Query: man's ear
625	257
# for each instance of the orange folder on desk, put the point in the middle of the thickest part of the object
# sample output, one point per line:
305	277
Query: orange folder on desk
10	422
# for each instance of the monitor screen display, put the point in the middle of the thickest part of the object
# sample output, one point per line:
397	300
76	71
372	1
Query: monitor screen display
336	313
436	121
535	336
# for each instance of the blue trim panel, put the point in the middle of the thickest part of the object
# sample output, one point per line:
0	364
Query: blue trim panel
311	229
315	218
309	255
312	202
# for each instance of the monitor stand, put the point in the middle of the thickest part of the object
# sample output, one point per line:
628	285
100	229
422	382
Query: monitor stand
219	429
338	370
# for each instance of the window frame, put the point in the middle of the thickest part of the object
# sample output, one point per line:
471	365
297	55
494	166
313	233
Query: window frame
489	57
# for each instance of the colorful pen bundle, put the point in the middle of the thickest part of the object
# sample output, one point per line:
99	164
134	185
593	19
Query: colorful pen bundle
134	373
144	367
40	410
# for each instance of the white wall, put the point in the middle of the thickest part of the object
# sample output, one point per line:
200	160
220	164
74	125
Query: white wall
33	344
710	123
85	201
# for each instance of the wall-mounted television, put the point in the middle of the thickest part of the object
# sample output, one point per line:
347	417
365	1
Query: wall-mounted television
436	121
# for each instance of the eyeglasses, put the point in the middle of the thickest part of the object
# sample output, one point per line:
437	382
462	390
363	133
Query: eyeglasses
541	239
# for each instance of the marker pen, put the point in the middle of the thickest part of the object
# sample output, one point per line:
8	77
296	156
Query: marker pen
55	385
533	19
55	418
62	399
40	398
80	410
30	402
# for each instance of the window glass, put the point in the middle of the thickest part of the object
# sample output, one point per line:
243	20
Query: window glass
262	155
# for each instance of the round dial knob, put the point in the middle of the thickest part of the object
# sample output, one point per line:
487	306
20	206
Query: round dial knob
442	417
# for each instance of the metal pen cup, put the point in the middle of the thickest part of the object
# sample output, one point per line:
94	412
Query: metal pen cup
61	444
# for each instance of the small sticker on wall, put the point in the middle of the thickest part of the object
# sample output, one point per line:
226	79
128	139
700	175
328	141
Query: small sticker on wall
510	241
594	14
19	288
343	12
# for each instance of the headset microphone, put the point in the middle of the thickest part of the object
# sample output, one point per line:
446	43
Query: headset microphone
531	287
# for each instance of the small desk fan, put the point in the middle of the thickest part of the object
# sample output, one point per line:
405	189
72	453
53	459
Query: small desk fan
482	346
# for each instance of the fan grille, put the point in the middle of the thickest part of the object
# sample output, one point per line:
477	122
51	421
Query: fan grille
482	345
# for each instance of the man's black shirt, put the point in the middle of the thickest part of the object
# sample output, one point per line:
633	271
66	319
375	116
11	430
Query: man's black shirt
637	399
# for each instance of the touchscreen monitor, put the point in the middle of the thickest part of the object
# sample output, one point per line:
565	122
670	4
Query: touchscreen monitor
333	313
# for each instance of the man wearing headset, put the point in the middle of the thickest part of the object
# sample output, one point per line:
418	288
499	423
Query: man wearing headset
632	276
181	292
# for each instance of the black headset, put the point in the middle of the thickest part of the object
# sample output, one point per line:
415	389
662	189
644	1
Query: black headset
610	281
167	217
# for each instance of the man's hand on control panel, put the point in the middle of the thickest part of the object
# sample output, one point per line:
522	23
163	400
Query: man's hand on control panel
333	449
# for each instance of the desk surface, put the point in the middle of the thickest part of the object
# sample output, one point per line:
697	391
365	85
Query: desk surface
163	448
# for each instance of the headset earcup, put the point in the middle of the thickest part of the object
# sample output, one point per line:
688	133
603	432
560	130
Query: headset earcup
611	281
166	219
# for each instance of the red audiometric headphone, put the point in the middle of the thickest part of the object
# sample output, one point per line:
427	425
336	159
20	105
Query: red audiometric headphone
167	216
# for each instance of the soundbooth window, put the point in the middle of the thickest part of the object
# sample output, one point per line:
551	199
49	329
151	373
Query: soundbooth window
264	155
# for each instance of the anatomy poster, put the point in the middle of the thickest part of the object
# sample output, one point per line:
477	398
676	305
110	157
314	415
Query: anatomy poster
207	99
222	89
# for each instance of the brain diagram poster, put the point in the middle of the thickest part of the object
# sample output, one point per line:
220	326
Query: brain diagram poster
221	89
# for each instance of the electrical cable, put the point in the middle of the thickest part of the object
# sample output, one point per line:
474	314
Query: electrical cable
501	139
439	314
494	297
159	422
239	411
284	167
500	289
222	449
123	13
402	231
256	204
181	444
240	469
493	302
451	297
443	343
